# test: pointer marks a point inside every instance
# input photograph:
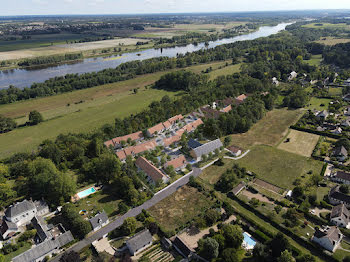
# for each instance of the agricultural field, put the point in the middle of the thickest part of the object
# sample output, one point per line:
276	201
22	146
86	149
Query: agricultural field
278	167
269	130
180	208
327	25
181	29
300	143
333	41
63	48
318	103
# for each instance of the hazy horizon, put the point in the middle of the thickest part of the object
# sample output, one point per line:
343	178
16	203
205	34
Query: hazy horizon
130	7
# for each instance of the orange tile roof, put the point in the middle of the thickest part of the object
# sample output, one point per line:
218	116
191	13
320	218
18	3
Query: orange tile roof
171	140
226	109
241	97
175	118
177	162
167	124
189	127
156	128
140	147
121	155
133	136
109	143
149	169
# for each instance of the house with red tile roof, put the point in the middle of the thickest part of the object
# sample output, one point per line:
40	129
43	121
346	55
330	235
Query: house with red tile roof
153	173
155	129
178	163
226	109
173	119
171	140
134	150
137	136
167	124
241	97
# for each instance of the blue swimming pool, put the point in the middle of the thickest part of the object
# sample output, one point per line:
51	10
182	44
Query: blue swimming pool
248	242
86	192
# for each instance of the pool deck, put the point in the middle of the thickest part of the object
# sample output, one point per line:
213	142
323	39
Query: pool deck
76	197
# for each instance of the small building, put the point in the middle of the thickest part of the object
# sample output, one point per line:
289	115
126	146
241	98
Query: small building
336	197
99	221
346	98
153	173
340	153
292	75
182	247
337	131
289	194
178	163
8	229
139	242
42	229
328	237
22	213
235	151
45	249
341	177
237	189
156	129
275	81
347	82
322	115
346	123
340	216
198	152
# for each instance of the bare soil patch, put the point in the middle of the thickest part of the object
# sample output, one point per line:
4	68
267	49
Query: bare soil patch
267	185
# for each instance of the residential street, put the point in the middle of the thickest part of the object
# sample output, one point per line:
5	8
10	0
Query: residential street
135	211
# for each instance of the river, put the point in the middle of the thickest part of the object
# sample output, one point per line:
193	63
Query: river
25	77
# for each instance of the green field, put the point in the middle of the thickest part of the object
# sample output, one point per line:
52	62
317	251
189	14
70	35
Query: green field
333	41
227	70
327	25
88	119
319	103
269	130
278	167
315	60
333	91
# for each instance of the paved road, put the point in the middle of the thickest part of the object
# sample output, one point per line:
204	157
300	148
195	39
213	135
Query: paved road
134	212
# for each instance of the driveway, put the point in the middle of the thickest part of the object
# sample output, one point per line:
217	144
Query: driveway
133	212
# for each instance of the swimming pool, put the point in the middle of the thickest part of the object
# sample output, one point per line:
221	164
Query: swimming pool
86	192
248	242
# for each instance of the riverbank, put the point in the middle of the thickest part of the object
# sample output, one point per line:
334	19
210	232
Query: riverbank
24	78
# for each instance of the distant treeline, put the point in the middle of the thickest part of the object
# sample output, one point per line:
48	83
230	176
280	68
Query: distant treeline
50	59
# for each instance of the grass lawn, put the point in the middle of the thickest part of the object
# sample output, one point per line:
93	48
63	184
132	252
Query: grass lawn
180	207
213	173
98	202
315	60
300	143
319	103
227	70
278	167
269	130
333	91
341	254
8	258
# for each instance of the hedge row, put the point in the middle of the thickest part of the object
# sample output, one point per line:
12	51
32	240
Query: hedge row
307	244
321	133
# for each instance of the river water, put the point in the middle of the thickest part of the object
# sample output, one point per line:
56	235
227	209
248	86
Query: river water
25	77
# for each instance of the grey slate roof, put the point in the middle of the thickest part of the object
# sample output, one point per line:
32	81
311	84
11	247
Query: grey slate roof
332	233
98	220
336	194
19	208
140	240
341	211
238	188
193	143
182	246
44	248
41	227
40	204
342	175
340	150
207	148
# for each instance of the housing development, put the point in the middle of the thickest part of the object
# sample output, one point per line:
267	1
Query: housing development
219	137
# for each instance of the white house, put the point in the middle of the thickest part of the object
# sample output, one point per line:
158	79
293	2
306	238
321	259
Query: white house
22	213
340	216
139	242
292	75
328	237
8	229
275	81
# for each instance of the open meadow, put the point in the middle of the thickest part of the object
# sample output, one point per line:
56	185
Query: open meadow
82	110
180	208
315	60
318	103
327	25
269	130
300	143
278	167
333	41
